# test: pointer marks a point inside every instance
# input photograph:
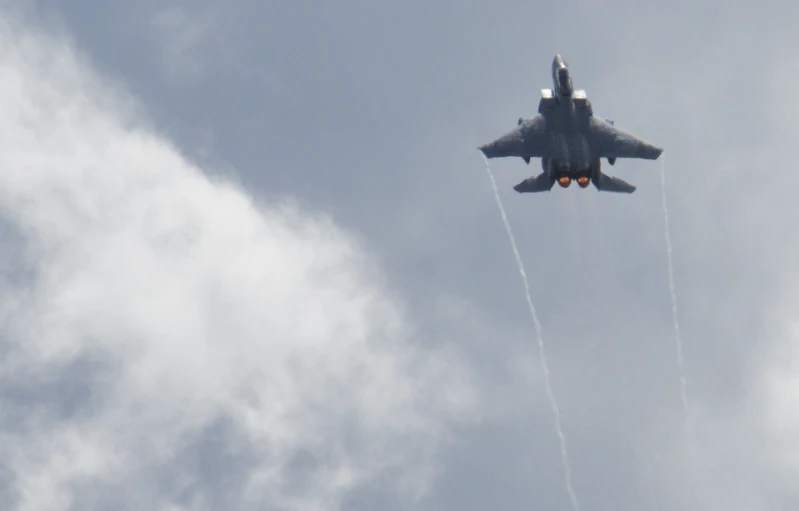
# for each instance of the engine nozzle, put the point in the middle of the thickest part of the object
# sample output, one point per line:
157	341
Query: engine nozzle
583	181
564	181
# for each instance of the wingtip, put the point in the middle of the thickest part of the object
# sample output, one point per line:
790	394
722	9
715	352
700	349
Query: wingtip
656	152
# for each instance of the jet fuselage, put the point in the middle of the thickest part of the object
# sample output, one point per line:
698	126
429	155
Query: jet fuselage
569	152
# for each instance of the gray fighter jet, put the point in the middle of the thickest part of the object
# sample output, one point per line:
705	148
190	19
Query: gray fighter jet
570	140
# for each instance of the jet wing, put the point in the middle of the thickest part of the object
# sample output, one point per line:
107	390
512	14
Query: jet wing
528	140
615	143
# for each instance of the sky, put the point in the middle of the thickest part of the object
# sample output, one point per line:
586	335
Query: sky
252	259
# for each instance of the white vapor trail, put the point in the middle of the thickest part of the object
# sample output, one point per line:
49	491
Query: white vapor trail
678	341
555	409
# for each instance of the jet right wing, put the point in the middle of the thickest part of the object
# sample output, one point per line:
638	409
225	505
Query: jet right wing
528	140
615	143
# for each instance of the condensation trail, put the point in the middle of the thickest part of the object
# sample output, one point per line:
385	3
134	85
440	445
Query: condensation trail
678	341
555	409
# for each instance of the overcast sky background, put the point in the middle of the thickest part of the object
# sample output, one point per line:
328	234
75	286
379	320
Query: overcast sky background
344	327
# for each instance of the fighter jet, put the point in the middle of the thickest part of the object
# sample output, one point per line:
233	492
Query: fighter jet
570	140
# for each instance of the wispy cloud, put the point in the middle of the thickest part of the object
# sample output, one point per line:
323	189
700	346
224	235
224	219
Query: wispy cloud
178	343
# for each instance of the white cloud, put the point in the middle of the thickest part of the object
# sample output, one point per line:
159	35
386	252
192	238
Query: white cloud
178	345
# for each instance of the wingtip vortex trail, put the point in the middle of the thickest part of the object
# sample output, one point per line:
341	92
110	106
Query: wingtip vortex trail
555	409
672	290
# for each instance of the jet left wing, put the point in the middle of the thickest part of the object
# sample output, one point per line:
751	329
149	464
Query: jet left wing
539	183
528	140
615	143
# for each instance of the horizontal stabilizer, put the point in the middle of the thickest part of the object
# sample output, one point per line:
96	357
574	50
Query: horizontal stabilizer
539	183
608	183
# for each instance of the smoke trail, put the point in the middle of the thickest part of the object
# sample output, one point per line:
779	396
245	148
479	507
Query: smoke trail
683	381
563	451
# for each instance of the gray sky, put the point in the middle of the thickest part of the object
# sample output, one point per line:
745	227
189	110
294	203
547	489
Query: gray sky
344	328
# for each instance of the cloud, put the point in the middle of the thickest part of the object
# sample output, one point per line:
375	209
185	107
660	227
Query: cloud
172	343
